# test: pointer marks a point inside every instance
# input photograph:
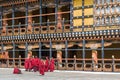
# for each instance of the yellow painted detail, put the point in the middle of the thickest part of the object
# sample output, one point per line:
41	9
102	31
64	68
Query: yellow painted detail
88	11
77	30
77	13
106	27
88	2
1	56
77	3
88	21
77	22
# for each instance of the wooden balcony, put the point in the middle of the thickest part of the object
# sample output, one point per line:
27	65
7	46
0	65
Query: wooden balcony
37	30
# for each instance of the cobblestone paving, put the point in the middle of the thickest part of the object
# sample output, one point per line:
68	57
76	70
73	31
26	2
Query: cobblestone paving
6	74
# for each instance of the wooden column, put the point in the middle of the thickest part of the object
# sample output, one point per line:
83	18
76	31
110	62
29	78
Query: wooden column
4	24
66	51
13	18
71	16
50	49
1	17
6	55
110	19
59	19
105	10
40	46
29	49
106	21
100	20
26	50
83	53
100	11
59	56
102	52
29	54
94	56
30	21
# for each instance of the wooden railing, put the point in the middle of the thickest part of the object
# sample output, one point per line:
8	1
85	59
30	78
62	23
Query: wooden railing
36	30
109	65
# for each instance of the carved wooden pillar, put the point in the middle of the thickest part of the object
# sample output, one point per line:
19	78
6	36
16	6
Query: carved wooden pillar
4	24
105	10
30	21
116	20
59	56
111	10
59	19
100	11
96	13
117	11
105	19
110	19
94	56
100	20
6	55
29	54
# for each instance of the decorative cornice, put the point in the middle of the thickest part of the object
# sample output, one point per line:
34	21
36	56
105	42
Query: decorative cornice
74	36
15	2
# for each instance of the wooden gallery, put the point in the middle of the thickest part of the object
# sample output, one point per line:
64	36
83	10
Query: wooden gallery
81	35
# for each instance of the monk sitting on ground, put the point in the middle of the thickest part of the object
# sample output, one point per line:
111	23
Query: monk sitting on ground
16	70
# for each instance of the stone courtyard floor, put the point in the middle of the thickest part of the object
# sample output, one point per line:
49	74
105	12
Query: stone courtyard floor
6	74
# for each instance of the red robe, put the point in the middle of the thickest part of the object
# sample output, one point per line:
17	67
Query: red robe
36	60
16	71
41	67
30	64
35	64
52	65
47	65
26	64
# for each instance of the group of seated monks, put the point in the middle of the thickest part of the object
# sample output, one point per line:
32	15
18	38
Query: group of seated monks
37	64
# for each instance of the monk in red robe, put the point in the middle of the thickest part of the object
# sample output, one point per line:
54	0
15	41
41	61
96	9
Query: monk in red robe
32	62
26	64
16	70
35	63
52	65
47	64
30	66
41	67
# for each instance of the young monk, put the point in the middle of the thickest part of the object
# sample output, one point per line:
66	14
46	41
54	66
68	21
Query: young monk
52	65
35	63
41	67
47	64
16	70
28	62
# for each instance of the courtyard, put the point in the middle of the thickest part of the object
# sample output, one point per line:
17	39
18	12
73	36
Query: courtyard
6	74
